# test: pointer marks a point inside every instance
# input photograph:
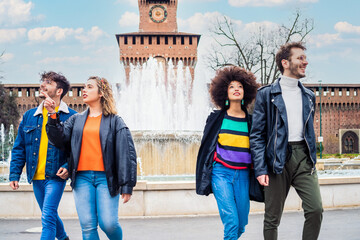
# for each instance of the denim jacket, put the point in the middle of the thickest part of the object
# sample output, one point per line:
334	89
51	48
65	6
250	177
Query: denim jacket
269	133
27	143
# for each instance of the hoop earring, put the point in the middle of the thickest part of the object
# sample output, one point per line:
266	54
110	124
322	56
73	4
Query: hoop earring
227	103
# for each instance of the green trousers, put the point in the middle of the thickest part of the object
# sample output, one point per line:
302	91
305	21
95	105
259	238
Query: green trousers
297	172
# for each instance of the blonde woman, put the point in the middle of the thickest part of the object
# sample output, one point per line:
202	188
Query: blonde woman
102	161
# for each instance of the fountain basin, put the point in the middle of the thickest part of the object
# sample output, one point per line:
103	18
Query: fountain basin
165	153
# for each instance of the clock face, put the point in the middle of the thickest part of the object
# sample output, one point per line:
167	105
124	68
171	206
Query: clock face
158	13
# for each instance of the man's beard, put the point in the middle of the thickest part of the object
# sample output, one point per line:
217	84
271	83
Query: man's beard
295	71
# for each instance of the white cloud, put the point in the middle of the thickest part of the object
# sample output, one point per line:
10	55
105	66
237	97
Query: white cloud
183	1
52	33
56	33
91	36
265	3
7	57
204	21
256	26
345	27
15	12
133	3
70	60
37	53
9	35
129	19
326	39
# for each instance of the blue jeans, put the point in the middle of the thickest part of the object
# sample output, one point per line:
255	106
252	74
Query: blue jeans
231	191
48	194
95	205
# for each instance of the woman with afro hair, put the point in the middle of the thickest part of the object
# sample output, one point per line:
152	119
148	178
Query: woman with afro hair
224	157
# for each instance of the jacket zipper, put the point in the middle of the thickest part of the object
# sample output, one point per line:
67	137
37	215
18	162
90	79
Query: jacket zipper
313	168
275	140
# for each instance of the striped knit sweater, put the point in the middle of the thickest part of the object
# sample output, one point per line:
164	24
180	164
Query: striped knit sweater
233	147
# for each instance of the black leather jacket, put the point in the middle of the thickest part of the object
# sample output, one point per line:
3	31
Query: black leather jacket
269	133
207	149
117	148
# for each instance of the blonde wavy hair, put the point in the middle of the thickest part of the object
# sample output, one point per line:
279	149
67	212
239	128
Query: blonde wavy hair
107	101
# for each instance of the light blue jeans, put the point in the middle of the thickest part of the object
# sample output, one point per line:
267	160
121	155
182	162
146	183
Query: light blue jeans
231	191
48	194
94	206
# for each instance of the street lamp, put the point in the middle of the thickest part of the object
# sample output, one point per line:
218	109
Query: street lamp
320	138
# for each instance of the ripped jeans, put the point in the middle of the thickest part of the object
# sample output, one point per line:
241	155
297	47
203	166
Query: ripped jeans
231	190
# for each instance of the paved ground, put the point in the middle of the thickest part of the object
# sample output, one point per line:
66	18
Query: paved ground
341	224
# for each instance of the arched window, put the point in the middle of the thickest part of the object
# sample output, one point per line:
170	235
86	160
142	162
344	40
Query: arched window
350	142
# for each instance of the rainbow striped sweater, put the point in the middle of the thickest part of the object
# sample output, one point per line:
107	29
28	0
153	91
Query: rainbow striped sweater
233	146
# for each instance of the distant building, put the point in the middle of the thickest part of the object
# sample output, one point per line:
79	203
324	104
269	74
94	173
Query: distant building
158	37
27	96
340	116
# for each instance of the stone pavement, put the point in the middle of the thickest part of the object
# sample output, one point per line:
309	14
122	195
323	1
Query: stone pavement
339	224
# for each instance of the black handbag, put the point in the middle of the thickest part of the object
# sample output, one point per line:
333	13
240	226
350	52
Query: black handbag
256	191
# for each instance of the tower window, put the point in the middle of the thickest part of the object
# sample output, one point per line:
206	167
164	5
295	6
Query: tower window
150	40
190	40
125	40
142	40
134	40
174	40
158	40
166	40
182	40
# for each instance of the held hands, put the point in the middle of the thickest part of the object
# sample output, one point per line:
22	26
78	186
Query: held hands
14	185
62	173
49	103
263	180
126	197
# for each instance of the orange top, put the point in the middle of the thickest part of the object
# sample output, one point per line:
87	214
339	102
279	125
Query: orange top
91	158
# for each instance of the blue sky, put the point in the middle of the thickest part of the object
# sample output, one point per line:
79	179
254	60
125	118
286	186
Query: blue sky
77	37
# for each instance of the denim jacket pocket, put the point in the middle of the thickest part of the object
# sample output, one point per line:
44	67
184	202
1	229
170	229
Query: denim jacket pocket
29	134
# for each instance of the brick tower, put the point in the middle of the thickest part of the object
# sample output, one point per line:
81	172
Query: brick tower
158	37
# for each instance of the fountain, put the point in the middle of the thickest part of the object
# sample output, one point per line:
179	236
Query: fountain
166	111
5	160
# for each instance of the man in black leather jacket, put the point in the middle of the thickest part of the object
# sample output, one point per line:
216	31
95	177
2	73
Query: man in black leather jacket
282	143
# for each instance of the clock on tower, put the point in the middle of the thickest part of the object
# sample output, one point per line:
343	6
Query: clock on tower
158	15
158	37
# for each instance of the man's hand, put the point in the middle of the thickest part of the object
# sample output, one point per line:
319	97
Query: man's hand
263	180
14	185
126	197
49	104
62	173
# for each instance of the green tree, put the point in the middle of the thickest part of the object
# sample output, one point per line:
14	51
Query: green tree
255	51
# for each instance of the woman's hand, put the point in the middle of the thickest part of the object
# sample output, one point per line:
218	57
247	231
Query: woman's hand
49	104
126	197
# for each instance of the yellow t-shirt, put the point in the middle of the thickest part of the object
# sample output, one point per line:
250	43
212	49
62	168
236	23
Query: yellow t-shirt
44	142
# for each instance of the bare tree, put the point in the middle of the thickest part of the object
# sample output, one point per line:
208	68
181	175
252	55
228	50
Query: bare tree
256	52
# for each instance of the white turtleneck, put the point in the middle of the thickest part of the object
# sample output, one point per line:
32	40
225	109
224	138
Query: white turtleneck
292	96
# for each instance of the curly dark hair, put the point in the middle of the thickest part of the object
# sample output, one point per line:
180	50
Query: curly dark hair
59	79
285	53
224	76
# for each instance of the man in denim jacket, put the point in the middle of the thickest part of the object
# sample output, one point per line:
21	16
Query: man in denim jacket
46	165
